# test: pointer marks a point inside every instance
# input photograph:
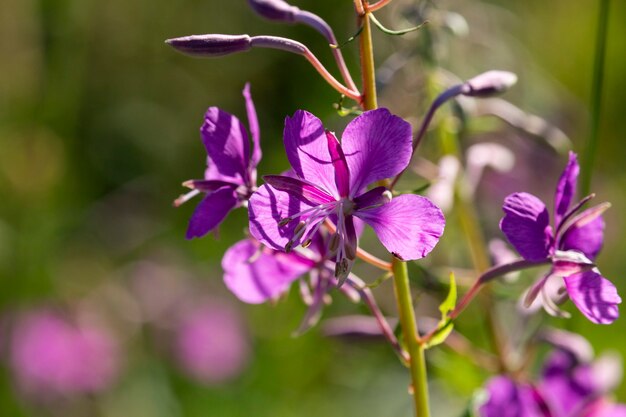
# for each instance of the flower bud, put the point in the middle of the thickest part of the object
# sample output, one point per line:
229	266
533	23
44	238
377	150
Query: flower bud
489	84
211	45
274	10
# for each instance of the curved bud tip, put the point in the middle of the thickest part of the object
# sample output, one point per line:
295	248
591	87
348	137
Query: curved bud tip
274	10
489	84
211	45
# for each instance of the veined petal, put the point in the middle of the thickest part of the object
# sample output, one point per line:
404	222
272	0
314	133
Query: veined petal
253	124
304	190
566	188
587	238
227	145
342	175
255	275
307	151
525	225
211	211
409	226
267	208
594	295
377	145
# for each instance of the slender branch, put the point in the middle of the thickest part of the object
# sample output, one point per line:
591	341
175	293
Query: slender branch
368	298
320	24
361	253
354	95
596	96
369	99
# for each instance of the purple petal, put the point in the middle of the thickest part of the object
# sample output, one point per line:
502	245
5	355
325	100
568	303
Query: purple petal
227	146
409	226
607	409
374	197
253	124
566	188
566	384
310	193
257	277
508	399
207	186
342	175
587	239
307	151
595	296
211	211
526	225
377	145
266	208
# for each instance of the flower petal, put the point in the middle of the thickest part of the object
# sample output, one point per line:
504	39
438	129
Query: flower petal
227	145
594	295
526	224
409	226
307	150
310	193
211	211
267	208
253	124
342	174
255	277
377	145
508	399
587	239
566	188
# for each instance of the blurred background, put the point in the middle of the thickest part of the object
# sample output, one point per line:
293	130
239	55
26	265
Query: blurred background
106	309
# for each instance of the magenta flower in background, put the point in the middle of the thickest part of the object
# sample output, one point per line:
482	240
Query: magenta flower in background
211	342
230	177
51	356
571	244
568	387
331	181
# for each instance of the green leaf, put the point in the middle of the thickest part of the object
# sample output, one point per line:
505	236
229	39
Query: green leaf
445	326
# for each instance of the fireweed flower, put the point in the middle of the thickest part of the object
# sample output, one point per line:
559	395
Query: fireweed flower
568	387
211	342
51	356
331	184
230	177
256	274
570	245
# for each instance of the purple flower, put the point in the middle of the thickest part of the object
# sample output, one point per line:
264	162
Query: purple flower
230	177
51	356
331	180
256	274
211	342
571	244
568	387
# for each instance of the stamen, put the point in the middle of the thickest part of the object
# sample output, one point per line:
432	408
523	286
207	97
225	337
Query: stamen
306	243
286	220
185	197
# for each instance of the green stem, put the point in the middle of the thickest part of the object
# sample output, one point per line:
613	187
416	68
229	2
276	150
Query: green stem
402	287
369	99
596	96
414	347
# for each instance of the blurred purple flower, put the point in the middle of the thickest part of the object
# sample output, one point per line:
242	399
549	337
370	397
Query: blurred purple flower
211	343
569	387
571	245
230	177
51	356
331	183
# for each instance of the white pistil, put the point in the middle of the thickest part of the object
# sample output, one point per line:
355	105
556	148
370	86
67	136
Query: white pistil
185	197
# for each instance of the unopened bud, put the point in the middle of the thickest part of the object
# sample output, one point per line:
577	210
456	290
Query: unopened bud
211	45
274	10
488	84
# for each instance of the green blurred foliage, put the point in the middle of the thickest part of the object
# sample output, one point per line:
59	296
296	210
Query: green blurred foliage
99	126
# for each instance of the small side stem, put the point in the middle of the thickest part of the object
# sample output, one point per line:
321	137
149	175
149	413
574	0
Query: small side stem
354	95
378	5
